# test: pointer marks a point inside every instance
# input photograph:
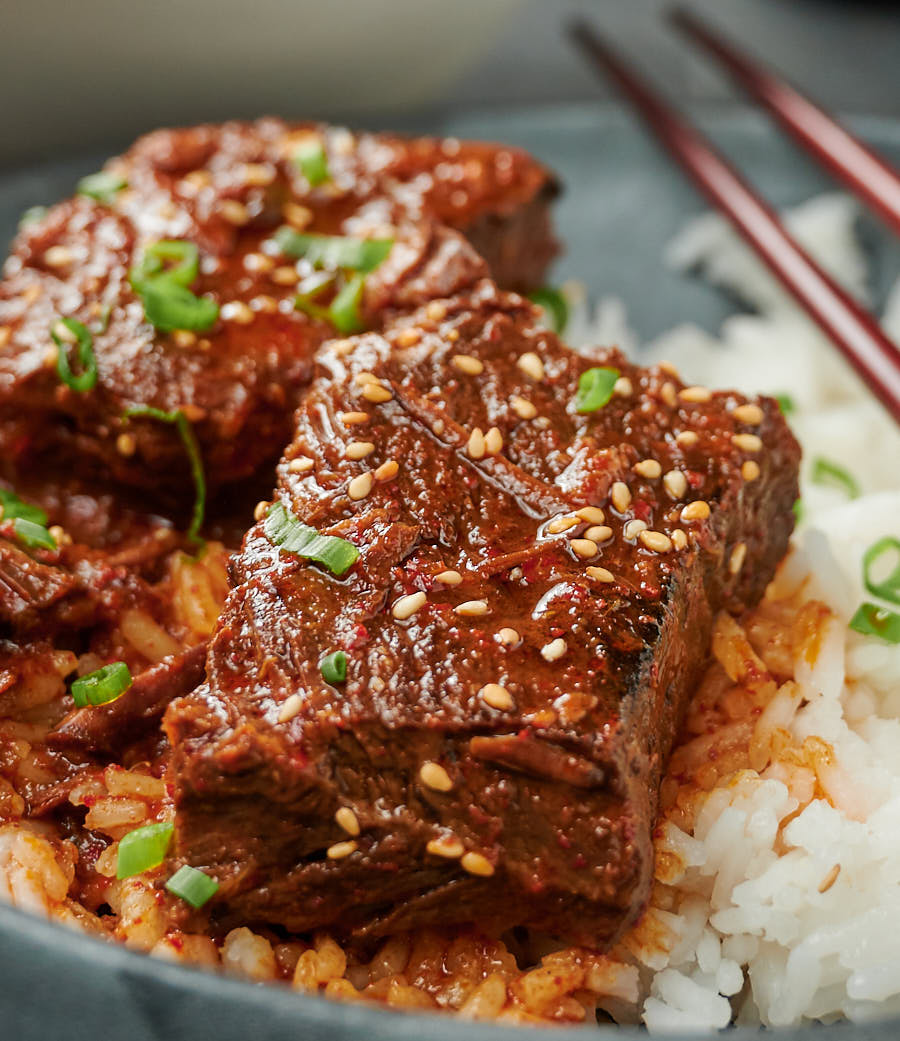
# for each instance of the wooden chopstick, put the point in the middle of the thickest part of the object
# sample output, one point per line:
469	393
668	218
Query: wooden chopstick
866	173
851	328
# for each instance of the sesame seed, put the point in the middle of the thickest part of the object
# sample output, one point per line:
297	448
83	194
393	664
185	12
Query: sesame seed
359	449
599	574
522	407
237	311
507	635
362	378
258	262
736	560
679	539
347	820
300	465
472	608
560	524
623	387
452	335
290	708
747	442
476	864
198	178
296	215
184	338
668	367
64	333
360	486
284	275
467	364
260	510
649	468
436	312
496	696
5	336
126	445
750	470
408	337
376	393
591	514
699	395
633	528
553	650
620	496
697	510
531	365
749	413
407	605
387	471
447	846
59	535
234	212
58	256
352	419
258	175
687	438
341	849
668	393
656	541
448	578
493	441
584	548
434	776
475	446
598	533
675	483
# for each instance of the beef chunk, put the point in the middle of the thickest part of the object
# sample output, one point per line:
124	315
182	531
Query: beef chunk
530	609
226	189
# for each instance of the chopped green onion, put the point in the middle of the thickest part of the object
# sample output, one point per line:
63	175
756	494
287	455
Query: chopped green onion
169	306
786	404
34	536
872	620
595	388
828	473
11	506
192	885
32	215
143	849
102	186
308	291
312	162
285	531
799	511
334	667
87	380
333	251
189	440
103	686
344	312
153	263
889	587
554	305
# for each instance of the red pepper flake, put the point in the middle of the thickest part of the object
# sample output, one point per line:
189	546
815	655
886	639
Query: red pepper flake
642	510
694	479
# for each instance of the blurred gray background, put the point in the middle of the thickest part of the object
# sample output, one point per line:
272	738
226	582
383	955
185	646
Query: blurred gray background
78	75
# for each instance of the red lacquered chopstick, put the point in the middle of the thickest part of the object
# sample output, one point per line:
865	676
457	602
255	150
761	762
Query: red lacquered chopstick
867	174
852	329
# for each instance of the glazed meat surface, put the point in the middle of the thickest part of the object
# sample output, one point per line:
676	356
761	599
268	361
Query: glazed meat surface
530	608
226	189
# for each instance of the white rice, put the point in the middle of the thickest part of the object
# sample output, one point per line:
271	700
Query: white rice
749	935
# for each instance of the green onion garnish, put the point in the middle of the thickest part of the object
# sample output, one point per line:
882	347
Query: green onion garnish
595	388
828	473
888	588
103	686
285	531
309	290
798	510
32	215
102	186
168	302
192	885
189	440
11	506
153	263
312	162
554	305
143	848
344	312
786	404
872	620
334	667
333	251
87	360
34	536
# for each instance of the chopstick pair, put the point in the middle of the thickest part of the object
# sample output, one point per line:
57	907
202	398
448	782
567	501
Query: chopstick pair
851	328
